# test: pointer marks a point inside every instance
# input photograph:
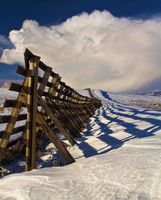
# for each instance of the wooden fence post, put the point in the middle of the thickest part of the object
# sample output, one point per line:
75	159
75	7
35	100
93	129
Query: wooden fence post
32	104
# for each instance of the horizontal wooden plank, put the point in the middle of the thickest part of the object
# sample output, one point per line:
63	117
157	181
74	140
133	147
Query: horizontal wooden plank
15	130
61	100
15	87
18	129
49	84
45	67
5	118
13	142
10	103
23	71
40	80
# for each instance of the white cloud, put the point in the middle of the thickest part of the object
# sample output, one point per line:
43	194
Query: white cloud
4	43
94	50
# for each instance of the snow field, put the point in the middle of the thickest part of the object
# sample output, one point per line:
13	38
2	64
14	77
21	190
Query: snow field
118	157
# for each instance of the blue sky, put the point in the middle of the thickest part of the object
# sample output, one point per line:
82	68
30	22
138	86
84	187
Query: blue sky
53	12
48	12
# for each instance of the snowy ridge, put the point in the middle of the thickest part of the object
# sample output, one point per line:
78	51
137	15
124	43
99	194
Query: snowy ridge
6	94
118	157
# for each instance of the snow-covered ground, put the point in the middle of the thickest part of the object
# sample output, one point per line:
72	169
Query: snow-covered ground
118	157
145	101
5	93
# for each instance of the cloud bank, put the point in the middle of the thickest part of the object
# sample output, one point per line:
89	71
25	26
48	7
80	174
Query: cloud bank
94	50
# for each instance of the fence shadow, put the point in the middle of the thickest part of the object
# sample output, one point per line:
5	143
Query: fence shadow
115	113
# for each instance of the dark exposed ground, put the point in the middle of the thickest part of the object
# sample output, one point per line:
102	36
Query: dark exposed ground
147	105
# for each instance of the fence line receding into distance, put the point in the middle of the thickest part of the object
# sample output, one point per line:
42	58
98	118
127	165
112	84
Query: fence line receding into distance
44	104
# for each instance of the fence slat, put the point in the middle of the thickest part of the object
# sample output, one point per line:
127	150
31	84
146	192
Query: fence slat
15	130
11	123
56	141
6	118
47	109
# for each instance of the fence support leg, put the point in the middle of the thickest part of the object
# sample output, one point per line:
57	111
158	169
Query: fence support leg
32	104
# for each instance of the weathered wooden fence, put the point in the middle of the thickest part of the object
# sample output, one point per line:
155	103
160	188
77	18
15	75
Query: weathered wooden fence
44	103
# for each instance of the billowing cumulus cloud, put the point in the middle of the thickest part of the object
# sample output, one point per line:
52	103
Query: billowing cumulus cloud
94	50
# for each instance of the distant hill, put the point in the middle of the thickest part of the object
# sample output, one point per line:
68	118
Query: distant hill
5	84
156	93
151	93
